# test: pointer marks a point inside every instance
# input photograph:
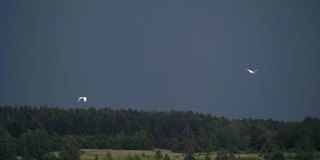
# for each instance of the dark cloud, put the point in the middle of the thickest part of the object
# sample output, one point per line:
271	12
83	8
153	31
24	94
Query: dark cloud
163	55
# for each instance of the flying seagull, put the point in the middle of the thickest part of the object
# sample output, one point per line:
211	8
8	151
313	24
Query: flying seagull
82	98
252	71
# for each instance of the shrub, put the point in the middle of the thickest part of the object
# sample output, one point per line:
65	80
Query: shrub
207	157
109	156
304	156
224	155
158	155
135	157
166	157
189	156
50	156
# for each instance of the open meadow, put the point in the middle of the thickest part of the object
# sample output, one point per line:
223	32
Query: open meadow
102	154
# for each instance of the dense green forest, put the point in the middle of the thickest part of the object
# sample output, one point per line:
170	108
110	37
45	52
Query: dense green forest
178	131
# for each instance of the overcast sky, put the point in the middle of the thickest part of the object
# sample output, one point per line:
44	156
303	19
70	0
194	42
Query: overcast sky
161	55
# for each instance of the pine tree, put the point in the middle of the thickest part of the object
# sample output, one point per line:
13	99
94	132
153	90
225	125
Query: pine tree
7	145
70	149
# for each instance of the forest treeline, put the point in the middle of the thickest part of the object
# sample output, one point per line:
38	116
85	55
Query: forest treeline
137	129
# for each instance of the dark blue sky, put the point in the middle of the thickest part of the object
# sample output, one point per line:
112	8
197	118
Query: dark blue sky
164	55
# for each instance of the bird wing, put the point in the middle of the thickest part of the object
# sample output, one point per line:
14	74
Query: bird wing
250	71
256	70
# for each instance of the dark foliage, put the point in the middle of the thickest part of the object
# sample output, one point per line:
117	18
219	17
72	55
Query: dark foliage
166	157
189	156
225	155
33	144
7	145
158	155
70	149
207	157
174	130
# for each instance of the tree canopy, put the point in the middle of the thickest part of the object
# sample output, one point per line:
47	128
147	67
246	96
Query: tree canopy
137	129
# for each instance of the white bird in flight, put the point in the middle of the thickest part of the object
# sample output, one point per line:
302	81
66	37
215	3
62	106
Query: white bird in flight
252	71
82	98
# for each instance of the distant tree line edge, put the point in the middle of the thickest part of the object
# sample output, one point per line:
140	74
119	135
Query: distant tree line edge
31	132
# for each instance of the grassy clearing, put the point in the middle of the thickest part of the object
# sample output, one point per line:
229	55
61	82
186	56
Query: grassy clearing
250	155
90	154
